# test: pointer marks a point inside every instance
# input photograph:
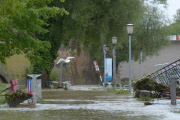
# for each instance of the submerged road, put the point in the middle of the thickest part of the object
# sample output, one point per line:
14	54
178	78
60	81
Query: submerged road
91	103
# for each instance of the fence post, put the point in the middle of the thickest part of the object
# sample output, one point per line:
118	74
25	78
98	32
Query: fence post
173	90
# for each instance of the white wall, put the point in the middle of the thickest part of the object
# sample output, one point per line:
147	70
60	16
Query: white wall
168	54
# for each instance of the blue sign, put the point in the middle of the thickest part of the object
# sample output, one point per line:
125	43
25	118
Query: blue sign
108	69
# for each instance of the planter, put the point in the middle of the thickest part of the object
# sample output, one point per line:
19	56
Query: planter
15	98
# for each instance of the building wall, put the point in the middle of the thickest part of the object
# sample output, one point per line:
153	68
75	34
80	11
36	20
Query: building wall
15	68
167	54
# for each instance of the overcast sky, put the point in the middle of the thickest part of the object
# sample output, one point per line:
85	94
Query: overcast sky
173	5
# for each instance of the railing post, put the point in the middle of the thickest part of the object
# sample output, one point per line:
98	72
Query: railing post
173	90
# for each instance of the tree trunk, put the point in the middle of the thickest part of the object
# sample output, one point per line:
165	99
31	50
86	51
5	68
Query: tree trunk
45	79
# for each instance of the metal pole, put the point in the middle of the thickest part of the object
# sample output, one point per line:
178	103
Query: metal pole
173	90
104	62
129	63
114	65
60	73
141	63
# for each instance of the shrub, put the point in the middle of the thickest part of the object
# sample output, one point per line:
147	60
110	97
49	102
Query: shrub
15	98
150	85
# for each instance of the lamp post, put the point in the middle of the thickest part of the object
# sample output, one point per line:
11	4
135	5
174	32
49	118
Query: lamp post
141	54
129	30
104	51
107	50
60	63
114	42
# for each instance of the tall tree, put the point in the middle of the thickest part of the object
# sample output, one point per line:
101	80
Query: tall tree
20	22
92	23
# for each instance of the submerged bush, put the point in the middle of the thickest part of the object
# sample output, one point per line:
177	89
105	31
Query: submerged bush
150	85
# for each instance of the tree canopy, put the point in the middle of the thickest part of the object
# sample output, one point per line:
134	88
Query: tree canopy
20	23
93	24
38	28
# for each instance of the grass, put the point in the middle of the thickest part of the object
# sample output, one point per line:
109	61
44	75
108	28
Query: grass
119	91
145	99
2	87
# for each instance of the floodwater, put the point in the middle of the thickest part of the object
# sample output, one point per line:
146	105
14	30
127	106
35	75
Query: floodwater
91	103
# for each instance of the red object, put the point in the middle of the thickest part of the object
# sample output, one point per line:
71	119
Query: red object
71	83
30	94
96	66
15	85
178	37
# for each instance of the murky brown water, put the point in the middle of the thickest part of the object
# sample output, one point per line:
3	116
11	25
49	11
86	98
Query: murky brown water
91	104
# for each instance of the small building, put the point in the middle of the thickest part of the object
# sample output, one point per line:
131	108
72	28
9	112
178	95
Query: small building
167	55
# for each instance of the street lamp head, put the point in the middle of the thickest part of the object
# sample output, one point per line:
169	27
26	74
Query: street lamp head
107	48
66	61
60	61
129	28
114	40
68	58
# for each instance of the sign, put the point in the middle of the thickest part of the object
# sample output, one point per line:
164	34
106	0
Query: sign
96	66
172	37
108	69
178	37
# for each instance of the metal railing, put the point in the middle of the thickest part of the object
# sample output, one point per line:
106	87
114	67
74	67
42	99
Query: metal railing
164	74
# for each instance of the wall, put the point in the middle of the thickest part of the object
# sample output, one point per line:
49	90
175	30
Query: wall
168	54
15	68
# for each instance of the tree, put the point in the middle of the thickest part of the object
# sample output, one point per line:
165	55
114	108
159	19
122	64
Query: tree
20	22
92	23
150	35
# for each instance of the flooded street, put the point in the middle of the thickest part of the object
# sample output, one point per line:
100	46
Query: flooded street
91	103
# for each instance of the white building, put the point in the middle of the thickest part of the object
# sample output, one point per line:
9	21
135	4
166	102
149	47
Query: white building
168	54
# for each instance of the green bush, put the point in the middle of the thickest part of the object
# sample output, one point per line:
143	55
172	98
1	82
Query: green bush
150	85
54	76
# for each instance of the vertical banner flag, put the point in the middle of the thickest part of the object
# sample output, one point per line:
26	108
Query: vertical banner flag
108	69
96	66
97	69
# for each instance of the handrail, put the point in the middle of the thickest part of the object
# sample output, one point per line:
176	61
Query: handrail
166	72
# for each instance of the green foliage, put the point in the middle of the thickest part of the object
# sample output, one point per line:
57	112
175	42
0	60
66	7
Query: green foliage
2	87
14	98
119	91
20	22
54	76
93	23
150	85
145	99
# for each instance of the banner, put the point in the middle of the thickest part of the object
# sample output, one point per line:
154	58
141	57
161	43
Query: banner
96	66
108	69
97	69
